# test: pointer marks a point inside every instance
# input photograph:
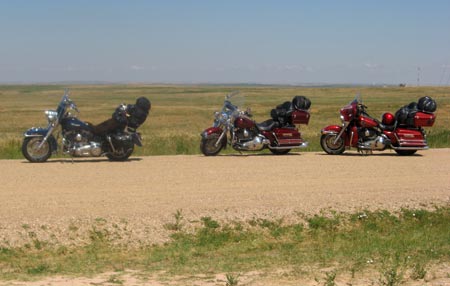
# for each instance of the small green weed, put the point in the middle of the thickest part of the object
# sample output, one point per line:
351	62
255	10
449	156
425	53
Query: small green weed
232	280
329	279
392	273
178	224
419	271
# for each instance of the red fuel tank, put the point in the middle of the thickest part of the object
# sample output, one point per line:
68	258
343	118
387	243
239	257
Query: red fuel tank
367	122
243	122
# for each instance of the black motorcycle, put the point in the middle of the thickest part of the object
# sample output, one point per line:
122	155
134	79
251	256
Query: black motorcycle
114	138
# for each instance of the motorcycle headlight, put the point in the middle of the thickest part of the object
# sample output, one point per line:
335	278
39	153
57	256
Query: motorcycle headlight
52	115
221	116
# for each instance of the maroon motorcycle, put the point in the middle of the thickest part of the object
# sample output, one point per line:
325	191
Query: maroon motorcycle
278	134
402	132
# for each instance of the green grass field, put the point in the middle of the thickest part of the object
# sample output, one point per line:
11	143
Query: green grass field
180	113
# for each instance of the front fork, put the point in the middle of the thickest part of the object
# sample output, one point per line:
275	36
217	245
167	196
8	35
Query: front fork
219	140
49	133
344	127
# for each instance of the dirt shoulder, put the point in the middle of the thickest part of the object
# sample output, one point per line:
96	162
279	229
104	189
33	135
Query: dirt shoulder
146	192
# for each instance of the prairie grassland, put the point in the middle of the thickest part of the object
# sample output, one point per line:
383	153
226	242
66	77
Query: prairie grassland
180	113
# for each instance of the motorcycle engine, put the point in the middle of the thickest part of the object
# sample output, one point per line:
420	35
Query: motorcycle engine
248	140
367	134
370	140
79	144
245	134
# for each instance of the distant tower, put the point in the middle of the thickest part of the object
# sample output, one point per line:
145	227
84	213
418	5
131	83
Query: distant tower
418	76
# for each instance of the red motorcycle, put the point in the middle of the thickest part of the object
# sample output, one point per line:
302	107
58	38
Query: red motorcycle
401	132
278	134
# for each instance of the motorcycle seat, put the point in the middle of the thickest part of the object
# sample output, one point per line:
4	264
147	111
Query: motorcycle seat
106	126
387	127
384	126
267	125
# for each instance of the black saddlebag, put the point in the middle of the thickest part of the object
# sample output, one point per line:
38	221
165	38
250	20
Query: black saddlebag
122	140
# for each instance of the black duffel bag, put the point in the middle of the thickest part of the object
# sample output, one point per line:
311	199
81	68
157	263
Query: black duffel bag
137	113
405	115
282	112
426	104
301	102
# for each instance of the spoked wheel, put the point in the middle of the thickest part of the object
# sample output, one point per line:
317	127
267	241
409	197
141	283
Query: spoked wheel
208	145
120	154
280	151
32	152
328	145
405	152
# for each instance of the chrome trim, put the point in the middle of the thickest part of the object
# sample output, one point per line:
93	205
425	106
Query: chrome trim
110	143
49	132
351	140
410	148
52	115
220	137
303	145
323	132
344	126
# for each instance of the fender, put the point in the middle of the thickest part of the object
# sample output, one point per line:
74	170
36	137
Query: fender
35	132
41	132
215	130
331	129
211	130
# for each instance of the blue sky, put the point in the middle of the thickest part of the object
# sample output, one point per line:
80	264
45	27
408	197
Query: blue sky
269	42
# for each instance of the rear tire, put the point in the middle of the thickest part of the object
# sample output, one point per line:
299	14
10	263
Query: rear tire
208	147
32	153
327	143
280	151
405	152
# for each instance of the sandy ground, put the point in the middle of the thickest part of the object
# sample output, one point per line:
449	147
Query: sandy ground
59	197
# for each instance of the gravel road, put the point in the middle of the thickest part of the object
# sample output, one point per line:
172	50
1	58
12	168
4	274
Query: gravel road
145	192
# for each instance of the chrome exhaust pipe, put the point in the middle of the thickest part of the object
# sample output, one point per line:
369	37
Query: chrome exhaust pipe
410	148
303	145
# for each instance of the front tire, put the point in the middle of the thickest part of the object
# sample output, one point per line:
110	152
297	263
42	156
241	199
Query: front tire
208	145
405	152
120	154
327	143
31	152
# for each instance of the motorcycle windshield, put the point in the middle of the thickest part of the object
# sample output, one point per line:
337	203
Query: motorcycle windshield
234	101
66	105
357	99
62	104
